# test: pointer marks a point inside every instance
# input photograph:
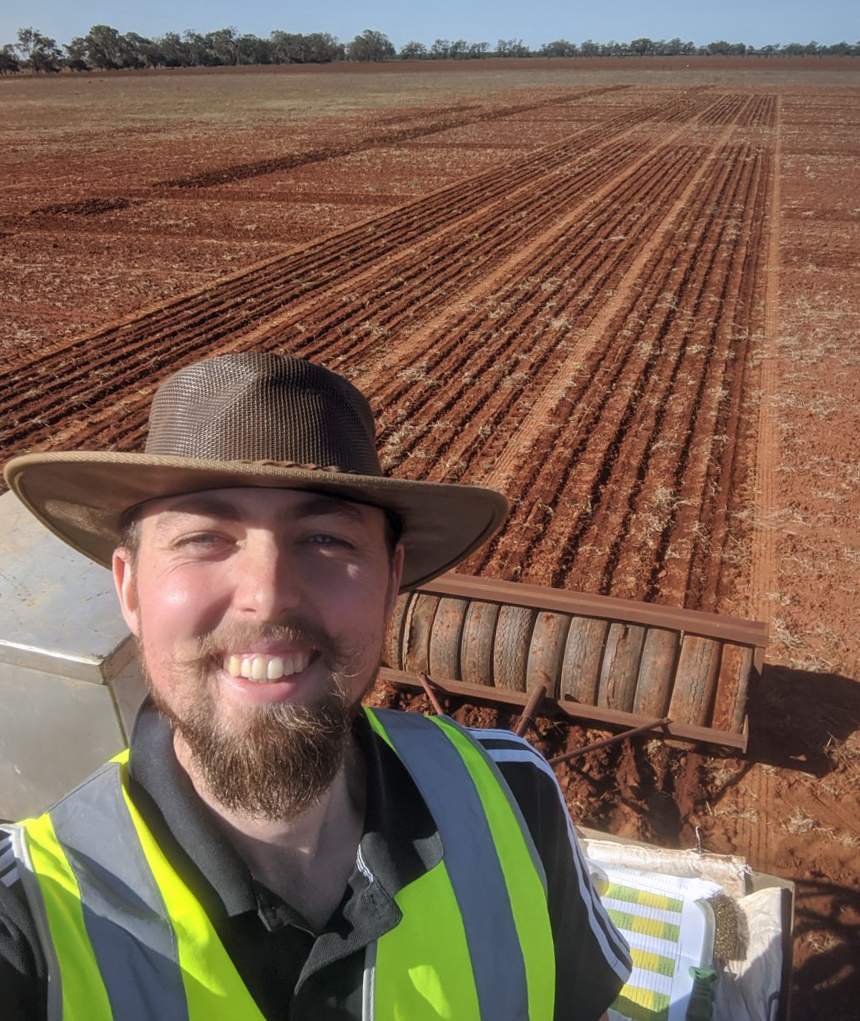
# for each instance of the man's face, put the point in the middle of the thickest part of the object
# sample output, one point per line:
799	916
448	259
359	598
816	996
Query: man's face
260	613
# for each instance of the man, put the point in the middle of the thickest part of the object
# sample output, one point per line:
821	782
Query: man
267	849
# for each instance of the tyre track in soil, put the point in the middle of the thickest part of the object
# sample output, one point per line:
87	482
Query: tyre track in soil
546	498
127	357
764	573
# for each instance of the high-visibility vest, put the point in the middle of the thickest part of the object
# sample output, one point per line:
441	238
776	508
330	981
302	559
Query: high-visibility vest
126	940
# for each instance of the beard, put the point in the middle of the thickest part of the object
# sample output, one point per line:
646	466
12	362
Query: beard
278	760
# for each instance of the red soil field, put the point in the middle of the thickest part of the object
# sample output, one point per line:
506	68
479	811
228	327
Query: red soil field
626	294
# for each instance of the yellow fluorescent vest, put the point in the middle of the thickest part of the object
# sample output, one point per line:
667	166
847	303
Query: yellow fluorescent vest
126	940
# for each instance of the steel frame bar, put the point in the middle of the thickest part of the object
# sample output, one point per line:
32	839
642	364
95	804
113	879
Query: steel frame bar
580	604
575	710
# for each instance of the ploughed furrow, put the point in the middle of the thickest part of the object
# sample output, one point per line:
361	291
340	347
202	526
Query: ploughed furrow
230	305
443	122
444	119
350	320
365	321
568	490
679	465
512	338
346	326
699	526
574	503
132	355
145	343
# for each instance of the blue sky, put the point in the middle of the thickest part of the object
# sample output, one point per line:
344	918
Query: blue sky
755	22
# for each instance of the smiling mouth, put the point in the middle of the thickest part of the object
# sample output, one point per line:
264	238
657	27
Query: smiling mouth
263	668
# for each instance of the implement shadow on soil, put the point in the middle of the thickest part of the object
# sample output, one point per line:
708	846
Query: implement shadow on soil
827	984
799	719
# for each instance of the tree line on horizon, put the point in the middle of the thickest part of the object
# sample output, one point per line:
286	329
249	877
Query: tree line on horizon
105	49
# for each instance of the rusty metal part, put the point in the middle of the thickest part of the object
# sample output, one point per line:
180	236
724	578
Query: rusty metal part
599	658
480	693
431	694
607	741
697	622
535	699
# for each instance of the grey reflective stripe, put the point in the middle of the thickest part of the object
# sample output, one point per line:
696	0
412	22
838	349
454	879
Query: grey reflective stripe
37	910
472	862
124	912
512	801
368	984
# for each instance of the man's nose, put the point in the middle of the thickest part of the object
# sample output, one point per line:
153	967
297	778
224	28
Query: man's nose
268	580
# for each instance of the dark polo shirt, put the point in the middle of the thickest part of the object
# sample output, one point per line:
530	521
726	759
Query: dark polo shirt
292	973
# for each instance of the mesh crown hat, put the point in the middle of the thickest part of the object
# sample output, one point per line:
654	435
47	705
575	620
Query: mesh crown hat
253	419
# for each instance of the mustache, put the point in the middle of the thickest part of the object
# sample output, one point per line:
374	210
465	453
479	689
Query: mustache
235	634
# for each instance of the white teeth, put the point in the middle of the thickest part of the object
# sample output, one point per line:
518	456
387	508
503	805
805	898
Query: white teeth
266	668
275	669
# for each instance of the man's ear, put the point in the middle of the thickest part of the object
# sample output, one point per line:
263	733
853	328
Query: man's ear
123	578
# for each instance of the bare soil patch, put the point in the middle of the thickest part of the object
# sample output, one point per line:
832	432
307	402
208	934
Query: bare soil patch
626	294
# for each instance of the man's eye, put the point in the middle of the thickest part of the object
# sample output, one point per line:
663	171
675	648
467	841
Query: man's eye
326	539
201	540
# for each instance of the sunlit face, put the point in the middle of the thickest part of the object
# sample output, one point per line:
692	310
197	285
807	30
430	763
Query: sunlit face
256	604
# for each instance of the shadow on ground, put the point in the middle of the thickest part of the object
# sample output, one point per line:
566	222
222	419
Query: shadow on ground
798	719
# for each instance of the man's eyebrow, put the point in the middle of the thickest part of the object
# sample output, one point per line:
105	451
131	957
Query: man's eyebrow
313	505
318	504
205	503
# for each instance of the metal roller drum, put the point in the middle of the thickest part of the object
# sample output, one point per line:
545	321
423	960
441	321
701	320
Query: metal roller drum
445	638
620	668
583	654
695	680
689	666
511	646
476	648
656	672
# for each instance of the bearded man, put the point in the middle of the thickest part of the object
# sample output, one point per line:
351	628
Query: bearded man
268	849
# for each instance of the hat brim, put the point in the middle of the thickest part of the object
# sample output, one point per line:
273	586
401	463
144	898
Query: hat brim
82	497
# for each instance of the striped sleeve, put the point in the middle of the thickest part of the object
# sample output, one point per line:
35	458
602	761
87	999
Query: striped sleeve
592	958
8	861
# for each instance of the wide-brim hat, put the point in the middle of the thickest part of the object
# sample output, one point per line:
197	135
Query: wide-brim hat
253	419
